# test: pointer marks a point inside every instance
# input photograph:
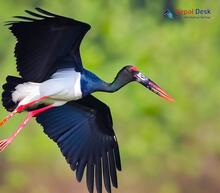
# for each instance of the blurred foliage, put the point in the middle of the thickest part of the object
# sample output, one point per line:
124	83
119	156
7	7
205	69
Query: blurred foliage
165	148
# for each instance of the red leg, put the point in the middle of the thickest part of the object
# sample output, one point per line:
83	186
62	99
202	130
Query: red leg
5	142
20	109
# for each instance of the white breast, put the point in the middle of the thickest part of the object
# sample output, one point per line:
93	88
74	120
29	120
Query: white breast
63	85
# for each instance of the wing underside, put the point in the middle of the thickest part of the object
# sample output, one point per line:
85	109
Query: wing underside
86	139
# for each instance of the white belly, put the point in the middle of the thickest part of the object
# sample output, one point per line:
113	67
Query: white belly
63	85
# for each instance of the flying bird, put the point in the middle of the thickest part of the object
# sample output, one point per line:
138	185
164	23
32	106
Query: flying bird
55	88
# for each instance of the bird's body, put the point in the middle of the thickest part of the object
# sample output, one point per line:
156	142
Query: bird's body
63	86
55	88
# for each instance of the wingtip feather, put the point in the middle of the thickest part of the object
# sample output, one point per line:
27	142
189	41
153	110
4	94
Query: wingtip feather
36	14
45	12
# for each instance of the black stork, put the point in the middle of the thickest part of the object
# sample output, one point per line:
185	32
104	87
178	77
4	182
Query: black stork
55	88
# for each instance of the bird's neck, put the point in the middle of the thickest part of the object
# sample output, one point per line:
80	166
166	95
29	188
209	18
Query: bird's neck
117	83
95	84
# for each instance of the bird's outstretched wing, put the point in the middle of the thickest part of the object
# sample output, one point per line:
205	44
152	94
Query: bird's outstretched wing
83	131
46	42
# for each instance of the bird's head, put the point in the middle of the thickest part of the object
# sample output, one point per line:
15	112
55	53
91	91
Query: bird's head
131	73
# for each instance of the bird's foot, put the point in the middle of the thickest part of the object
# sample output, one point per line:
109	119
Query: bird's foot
4	143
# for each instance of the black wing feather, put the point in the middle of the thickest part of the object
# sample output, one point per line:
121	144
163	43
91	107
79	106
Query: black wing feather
83	131
44	42
46	12
106	175
98	173
25	18
36	14
90	175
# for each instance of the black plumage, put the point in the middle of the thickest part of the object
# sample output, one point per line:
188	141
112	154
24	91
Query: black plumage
8	88
44	42
84	133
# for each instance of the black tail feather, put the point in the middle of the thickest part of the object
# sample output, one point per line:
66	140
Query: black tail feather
8	88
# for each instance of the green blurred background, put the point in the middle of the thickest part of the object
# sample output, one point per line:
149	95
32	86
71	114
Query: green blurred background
165	147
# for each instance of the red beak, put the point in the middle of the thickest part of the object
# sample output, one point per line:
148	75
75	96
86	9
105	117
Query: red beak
152	86
159	91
